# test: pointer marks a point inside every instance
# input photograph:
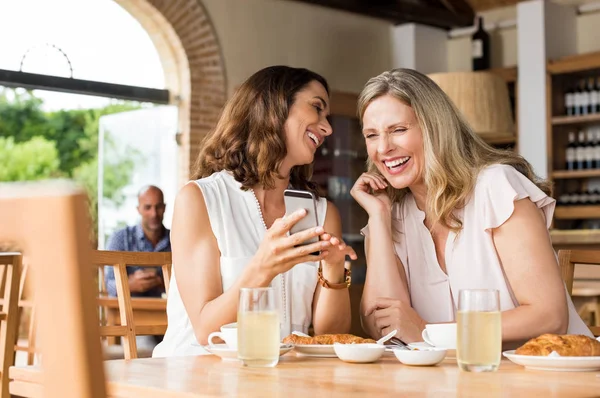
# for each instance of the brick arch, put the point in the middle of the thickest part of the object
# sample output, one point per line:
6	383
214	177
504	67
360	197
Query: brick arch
193	65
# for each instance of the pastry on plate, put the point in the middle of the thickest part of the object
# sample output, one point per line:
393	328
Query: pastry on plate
326	339
567	345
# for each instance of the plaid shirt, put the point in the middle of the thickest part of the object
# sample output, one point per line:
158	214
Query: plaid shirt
132	239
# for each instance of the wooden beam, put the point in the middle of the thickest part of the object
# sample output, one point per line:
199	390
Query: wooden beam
428	12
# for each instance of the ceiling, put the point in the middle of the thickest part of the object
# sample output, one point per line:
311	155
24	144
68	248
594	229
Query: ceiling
439	13
445	14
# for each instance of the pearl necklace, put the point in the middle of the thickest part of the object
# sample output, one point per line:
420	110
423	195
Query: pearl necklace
283	294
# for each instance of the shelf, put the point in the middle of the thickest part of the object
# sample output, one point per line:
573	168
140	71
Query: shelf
576	212
575	237
574	63
498	139
564	174
508	74
564	120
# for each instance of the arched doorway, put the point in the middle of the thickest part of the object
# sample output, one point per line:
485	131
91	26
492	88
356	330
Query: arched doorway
193	65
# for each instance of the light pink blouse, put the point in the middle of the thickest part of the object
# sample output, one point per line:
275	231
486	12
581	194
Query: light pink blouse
471	258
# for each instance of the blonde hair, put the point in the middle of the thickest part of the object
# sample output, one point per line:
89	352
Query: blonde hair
454	154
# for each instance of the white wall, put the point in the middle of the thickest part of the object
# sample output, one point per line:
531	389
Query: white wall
504	41
347	49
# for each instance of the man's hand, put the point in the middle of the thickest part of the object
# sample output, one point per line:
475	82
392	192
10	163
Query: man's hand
143	280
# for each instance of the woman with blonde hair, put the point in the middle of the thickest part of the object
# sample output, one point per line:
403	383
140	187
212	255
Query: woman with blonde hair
230	227
448	212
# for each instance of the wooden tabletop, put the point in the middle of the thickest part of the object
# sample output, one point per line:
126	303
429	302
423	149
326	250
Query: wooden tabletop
208	376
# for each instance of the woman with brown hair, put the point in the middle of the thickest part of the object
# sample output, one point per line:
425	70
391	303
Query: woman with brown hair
229	226
448	212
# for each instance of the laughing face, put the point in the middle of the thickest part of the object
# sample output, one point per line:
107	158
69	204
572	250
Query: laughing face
306	126
394	142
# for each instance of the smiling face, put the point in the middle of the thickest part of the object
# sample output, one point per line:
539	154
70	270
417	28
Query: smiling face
394	142
306	126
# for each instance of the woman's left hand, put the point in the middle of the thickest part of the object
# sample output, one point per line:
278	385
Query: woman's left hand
393	314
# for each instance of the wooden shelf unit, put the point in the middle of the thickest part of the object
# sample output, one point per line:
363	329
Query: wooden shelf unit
576	212
563	74
573	120
565	174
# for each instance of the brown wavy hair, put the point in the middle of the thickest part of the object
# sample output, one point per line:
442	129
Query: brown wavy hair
249	139
454	154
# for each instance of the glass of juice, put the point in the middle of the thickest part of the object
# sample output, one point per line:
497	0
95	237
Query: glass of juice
479	331
258	328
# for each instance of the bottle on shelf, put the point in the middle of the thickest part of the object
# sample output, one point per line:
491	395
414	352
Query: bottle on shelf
480	47
580	152
570	152
590	150
584	99
597	149
576	101
594	96
598	94
570	101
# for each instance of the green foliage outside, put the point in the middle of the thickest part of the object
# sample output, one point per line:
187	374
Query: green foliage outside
37	145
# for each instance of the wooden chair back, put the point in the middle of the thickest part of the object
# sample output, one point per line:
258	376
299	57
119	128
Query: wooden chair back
50	222
9	317
128	330
567	260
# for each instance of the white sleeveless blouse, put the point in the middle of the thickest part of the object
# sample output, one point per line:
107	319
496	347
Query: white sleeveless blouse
237	224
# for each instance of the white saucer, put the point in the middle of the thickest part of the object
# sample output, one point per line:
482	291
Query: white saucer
557	364
226	353
316	350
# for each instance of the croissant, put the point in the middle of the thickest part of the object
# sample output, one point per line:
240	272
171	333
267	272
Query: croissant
568	345
326	339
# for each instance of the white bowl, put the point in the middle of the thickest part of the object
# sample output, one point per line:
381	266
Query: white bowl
421	357
359	353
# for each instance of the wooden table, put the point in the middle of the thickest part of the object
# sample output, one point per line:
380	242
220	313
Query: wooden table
208	376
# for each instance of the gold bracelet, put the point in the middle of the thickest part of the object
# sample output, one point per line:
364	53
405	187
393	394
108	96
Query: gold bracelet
336	286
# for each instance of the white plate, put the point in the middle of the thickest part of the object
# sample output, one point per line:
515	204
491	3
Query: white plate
316	350
557	364
226	353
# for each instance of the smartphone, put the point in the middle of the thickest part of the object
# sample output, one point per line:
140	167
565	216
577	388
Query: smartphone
295	200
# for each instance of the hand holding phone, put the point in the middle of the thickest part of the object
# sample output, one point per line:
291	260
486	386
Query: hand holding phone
295	200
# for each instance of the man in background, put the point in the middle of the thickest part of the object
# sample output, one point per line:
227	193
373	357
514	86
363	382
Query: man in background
148	236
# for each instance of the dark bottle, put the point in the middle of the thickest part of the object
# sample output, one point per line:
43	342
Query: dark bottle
570	101
580	152
480	47
593	93
598	95
585	98
590	150
570	152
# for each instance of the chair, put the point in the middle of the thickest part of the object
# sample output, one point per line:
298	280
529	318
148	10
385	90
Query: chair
49	221
567	260
9	317
128	328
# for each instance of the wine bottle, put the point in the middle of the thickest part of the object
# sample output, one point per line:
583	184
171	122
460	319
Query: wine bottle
569	101
570	152
580	152
585	98
480	47
577	101
598	94
597	150
593	96
590	150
